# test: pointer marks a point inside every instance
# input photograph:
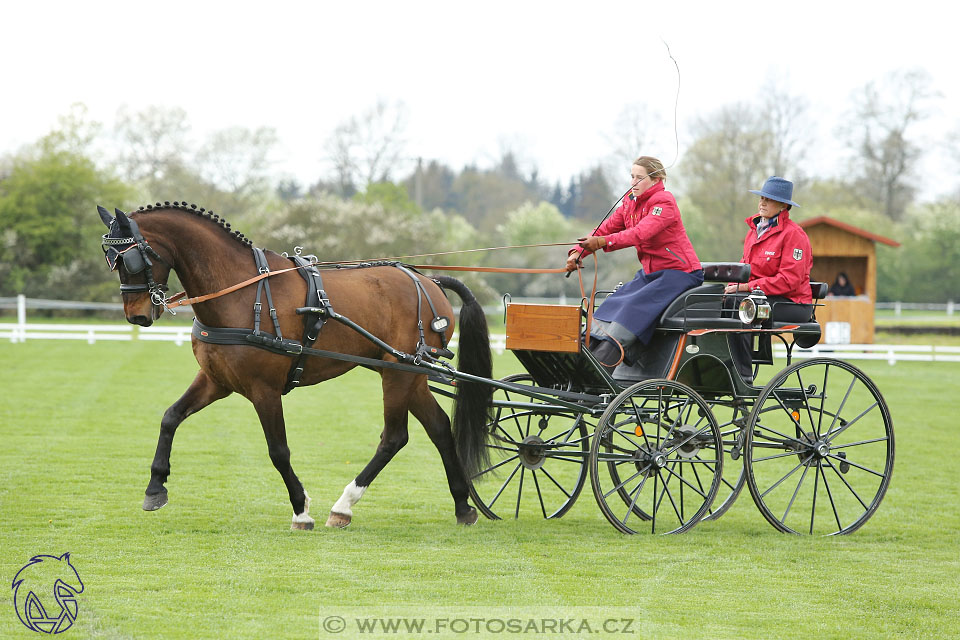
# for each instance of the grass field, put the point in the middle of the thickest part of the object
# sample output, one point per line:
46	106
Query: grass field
78	428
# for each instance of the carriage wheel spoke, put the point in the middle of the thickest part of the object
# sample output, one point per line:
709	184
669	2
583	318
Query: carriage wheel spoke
833	434
790	473
544	471
795	492
816	482
684	481
506	482
496	466
624	483
855	444
833	505
858	466
516	513
633	502
536	483
843	403
844	480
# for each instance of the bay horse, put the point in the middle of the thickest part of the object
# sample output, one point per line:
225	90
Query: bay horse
210	257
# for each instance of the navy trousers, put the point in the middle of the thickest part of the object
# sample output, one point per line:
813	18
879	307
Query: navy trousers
631	313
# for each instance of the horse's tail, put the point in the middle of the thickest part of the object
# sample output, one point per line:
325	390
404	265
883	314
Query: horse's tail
473	399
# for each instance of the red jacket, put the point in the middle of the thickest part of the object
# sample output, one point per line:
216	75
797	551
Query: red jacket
780	260
652	224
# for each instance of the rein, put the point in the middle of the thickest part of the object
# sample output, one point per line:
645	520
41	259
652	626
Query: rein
180	299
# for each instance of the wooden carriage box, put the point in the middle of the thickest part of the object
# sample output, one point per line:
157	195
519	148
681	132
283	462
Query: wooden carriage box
543	327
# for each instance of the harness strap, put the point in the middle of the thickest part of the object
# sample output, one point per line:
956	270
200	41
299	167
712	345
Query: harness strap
264	286
316	311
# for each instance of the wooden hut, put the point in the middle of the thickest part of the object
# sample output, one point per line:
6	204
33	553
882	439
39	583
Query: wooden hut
842	248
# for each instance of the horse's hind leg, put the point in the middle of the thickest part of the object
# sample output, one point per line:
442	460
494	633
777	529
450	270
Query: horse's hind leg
396	389
201	392
270	410
437	424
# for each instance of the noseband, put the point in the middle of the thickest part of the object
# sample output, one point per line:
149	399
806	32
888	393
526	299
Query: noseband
135	253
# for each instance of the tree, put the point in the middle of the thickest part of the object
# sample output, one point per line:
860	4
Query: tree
238	159
532	224
431	186
926	267
885	156
153	142
632	136
368	148
596	197
729	156
785	117
49	245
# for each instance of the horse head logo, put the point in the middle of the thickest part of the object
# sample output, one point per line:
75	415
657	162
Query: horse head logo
45	593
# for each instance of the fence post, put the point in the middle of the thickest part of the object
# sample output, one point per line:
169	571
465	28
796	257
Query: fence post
949	307
896	308
21	318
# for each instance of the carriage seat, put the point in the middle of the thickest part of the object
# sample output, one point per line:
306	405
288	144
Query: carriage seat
701	307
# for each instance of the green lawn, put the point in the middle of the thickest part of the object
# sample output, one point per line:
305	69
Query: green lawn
78	428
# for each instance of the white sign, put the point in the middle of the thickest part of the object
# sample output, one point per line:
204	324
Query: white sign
837	333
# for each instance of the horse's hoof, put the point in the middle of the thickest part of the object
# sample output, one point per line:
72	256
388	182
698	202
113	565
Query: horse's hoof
155	501
338	520
302	522
468	518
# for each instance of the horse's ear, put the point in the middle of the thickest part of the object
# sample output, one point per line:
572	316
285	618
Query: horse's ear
122	218
105	216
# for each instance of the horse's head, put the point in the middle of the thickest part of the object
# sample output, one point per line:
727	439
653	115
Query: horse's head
143	272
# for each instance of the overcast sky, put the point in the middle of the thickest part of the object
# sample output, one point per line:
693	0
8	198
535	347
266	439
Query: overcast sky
545	78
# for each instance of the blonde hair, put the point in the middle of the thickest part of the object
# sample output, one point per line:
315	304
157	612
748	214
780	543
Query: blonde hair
653	167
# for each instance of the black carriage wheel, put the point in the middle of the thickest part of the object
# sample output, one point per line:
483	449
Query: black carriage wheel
819	448
657	452
537	458
734	476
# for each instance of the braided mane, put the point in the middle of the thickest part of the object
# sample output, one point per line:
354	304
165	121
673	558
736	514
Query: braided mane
201	212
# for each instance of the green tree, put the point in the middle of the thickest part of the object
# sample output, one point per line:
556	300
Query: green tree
926	267
532	224
50	243
729	156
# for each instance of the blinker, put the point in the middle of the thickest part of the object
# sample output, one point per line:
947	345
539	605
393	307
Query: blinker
133	259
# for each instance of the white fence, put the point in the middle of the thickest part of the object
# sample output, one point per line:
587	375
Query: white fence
21	331
93	333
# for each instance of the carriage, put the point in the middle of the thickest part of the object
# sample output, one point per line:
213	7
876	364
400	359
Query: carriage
668	440
672	438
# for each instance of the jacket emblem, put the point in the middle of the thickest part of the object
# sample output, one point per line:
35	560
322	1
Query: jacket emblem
656	211
798	254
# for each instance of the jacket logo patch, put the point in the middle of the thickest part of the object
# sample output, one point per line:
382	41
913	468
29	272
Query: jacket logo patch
656	211
769	253
798	254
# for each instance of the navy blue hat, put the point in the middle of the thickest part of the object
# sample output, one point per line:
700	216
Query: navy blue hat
778	189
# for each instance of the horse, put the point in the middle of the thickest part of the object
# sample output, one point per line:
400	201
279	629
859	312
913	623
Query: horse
208	256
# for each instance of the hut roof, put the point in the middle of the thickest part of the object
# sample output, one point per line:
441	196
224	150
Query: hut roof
863	233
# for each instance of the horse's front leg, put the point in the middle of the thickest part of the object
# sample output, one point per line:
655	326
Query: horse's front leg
270	410
201	392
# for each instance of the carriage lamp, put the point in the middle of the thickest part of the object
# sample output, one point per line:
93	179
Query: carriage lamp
754	308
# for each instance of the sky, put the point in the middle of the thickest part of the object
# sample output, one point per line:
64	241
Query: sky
545	79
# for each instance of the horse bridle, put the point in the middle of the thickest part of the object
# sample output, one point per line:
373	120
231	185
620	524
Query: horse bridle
135	253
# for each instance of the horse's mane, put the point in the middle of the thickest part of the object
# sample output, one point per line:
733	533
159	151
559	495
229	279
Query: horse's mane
201	212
